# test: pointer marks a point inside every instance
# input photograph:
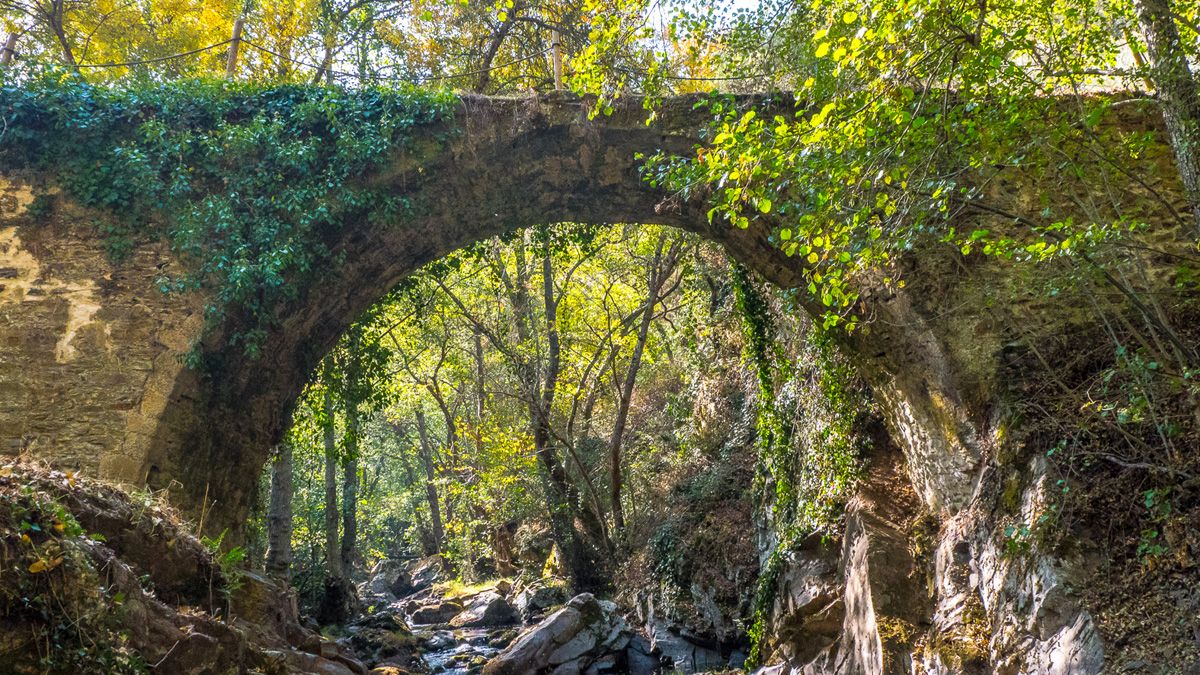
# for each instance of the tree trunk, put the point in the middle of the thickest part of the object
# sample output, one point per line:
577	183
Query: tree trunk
451	446
480	391
431	495
333	560
626	392
350	491
279	515
334	605
56	18
489	54
1177	91
559	492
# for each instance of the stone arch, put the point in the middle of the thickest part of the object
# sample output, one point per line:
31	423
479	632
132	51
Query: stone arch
511	163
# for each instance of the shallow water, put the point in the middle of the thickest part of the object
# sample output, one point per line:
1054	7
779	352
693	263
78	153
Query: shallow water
456	652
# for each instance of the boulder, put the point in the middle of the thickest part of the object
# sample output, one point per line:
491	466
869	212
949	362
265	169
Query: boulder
380	646
439	613
499	639
267	608
641	658
392	579
387	579
486	610
303	662
423	574
540	595
584	633
684	651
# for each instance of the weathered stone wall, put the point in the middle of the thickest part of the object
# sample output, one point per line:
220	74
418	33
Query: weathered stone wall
89	348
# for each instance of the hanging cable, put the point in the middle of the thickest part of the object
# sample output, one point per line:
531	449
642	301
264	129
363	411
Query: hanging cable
154	60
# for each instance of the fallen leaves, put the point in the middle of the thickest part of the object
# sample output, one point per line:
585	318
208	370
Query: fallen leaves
45	564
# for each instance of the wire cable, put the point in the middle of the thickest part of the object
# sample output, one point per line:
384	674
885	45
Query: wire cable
154	60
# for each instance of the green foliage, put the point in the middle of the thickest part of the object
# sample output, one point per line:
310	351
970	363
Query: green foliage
246	182
809	443
228	573
1151	542
904	117
764	599
41	208
671	562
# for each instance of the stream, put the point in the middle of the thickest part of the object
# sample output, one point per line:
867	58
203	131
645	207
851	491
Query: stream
456	652
458	630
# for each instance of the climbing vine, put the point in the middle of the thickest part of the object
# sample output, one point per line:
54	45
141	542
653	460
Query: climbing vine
805	471
246	182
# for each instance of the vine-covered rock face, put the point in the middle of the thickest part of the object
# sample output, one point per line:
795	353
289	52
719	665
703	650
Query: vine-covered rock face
1041	480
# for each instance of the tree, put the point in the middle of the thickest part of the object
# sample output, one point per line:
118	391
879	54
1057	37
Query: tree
1177	89
431	495
335	600
279	514
659	270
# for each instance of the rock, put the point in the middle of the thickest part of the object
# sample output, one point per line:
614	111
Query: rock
807	614
577	646
269	605
390	618
684	651
351	663
193	655
504	587
486	610
534	600
568	641
311	664
571	668
641	658
609	663
499	639
392	579
423	574
381	646
388	578
439	640
439	613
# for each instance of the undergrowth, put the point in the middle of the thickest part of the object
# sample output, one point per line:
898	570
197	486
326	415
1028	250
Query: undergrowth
56	609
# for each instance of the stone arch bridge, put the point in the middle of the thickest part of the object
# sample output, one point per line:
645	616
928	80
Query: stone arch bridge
91	376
